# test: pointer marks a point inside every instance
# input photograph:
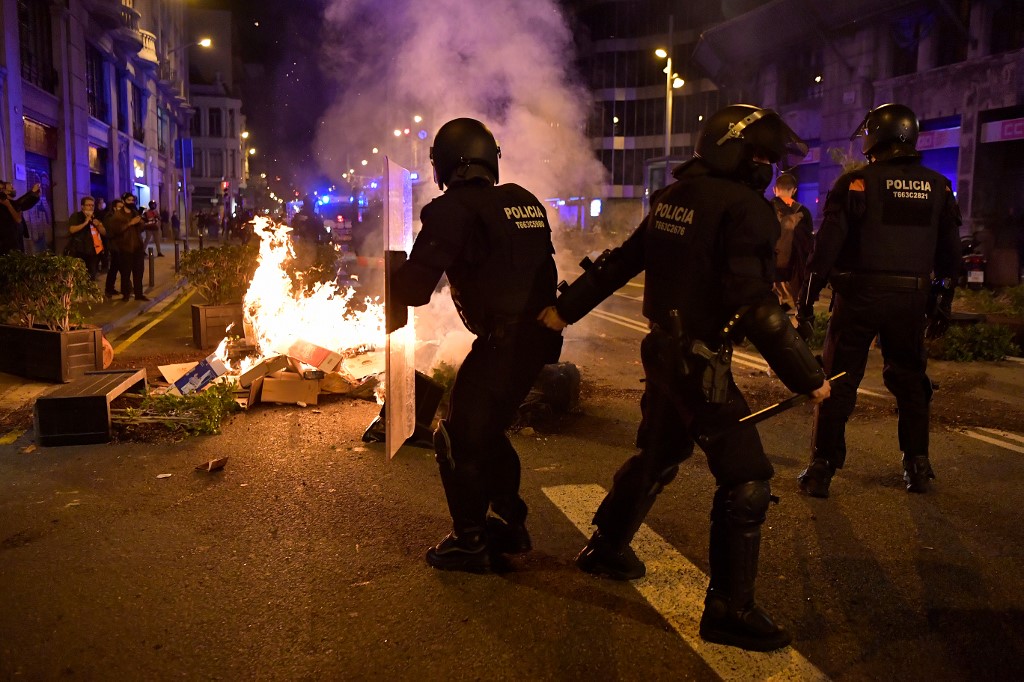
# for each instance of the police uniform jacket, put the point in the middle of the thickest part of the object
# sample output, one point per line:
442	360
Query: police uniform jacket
708	249
494	244
893	217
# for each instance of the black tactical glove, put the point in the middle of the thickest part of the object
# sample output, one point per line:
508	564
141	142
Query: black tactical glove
940	307
396	315
805	322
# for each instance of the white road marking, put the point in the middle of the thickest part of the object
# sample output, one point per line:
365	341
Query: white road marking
1005	434
621	321
993	441
675	588
631	298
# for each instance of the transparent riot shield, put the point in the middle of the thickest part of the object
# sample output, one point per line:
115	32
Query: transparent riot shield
400	347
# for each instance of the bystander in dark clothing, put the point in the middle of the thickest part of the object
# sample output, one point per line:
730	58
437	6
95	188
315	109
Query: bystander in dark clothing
85	236
795	241
124	226
13	230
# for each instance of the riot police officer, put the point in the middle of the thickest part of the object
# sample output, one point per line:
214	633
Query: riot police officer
887	228
708	249
494	244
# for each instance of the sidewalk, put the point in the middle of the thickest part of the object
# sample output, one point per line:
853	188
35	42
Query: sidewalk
112	315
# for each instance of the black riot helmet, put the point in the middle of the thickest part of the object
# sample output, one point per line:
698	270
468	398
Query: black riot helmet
888	130
732	137
463	142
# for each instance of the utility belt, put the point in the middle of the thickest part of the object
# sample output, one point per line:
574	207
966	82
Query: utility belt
690	356
845	282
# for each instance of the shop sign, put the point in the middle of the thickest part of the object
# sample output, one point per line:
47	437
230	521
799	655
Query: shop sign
1003	131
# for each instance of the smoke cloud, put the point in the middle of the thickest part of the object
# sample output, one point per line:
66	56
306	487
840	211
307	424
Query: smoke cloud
506	63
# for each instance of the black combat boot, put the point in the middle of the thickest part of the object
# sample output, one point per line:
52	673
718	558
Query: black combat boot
615	560
464	552
507	538
917	471
816	478
731	615
746	626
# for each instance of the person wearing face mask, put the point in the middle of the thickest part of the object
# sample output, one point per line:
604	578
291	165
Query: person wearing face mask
708	249
124	227
13	230
85	235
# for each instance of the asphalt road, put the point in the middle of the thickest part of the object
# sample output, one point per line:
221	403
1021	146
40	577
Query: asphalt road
303	558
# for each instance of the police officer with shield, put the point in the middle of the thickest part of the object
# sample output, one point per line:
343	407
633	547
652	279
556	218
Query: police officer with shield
708	249
494	244
889	246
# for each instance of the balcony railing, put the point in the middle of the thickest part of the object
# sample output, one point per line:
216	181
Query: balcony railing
148	51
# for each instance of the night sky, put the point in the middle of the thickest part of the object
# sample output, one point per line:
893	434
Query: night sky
284	93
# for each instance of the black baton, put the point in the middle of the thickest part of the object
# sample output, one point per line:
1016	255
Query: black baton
761	415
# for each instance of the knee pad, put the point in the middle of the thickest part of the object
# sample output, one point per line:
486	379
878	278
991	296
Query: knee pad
747	503
443	446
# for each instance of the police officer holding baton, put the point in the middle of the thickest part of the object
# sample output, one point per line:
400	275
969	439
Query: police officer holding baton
889	246
708	249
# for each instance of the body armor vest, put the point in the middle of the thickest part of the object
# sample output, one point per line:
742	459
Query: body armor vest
507	272
899	229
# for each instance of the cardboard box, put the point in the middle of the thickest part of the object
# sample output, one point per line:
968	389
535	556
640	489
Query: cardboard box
315	355
199	376
290	388
262	368
365	364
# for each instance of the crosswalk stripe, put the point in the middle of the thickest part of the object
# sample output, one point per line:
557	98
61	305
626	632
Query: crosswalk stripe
993	441
675	588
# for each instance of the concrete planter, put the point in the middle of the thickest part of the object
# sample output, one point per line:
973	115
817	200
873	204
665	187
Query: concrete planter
40	353
210	322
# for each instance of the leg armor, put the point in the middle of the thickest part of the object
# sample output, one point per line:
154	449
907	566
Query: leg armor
731	615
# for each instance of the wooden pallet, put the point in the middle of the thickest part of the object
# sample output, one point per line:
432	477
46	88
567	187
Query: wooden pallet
79	413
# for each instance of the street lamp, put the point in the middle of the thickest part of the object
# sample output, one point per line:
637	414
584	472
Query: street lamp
672	81
202	42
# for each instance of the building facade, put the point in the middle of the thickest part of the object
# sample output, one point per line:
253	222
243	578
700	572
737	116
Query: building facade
959	64
219	138
91	101
616	41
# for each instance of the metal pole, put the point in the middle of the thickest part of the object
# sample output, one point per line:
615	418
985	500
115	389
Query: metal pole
152	265
177	257
668	110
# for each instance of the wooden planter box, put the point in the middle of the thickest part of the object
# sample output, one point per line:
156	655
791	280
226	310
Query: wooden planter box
40	353
210	322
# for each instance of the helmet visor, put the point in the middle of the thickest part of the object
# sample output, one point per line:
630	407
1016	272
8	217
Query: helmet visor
862	128
768	135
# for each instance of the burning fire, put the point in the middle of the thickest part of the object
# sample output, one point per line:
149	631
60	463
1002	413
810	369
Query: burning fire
277	315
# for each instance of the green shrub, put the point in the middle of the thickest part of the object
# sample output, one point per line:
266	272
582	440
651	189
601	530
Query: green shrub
1008	301
817	340
964	343
977	301
1015	299
201	412
43	290
221	274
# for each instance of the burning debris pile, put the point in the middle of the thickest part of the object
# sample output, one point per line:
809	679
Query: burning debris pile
297	342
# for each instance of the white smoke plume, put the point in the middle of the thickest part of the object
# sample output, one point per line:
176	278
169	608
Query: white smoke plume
507	63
